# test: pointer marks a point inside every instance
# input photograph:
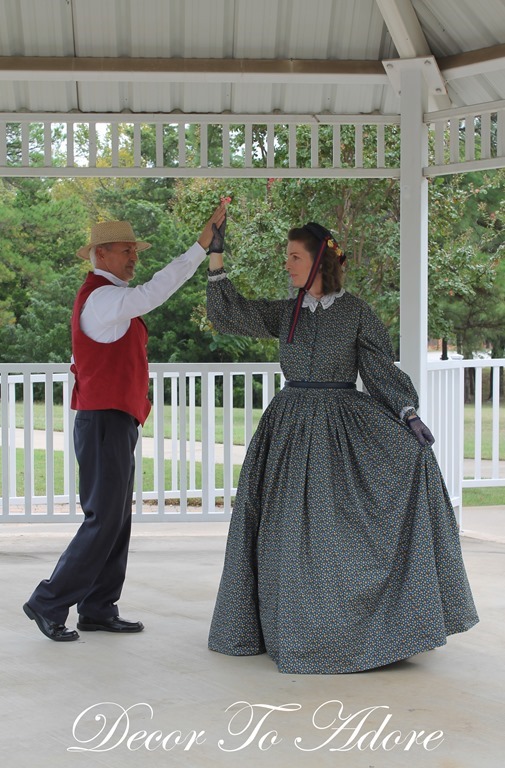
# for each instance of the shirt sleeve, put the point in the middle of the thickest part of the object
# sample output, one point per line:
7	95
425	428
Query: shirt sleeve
383	379
229	312
109	309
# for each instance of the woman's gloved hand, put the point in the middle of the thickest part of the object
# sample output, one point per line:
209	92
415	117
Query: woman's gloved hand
217	242
421	431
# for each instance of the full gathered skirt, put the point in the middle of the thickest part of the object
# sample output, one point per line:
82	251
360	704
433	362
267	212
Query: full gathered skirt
343	552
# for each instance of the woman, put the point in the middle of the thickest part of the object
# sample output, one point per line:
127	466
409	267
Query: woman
343	551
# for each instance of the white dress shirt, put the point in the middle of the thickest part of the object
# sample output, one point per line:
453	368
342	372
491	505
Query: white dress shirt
107	313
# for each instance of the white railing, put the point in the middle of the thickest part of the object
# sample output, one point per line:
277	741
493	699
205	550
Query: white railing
183	458
465	140
244	145
186	464
240	146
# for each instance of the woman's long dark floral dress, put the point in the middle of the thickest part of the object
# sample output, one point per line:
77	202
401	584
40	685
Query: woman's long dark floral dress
343	551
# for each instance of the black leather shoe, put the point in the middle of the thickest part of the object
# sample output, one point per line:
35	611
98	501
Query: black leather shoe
114	624
51	629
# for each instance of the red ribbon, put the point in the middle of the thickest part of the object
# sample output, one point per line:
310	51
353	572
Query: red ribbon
308	285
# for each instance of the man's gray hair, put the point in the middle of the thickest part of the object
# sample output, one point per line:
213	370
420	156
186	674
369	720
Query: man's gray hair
92	256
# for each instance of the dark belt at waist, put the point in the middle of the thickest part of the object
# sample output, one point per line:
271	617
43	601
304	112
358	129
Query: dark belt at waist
321	384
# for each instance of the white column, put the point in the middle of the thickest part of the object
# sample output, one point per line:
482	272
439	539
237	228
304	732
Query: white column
413	228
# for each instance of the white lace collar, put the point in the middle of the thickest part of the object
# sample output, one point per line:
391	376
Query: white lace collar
325	301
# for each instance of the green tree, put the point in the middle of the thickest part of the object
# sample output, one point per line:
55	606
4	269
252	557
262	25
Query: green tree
43	333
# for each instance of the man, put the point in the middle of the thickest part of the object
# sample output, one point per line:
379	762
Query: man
110	395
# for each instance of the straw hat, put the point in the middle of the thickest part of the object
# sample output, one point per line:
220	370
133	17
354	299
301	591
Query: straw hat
111	232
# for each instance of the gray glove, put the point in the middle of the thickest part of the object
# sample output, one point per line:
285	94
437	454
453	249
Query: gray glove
217	242
421	431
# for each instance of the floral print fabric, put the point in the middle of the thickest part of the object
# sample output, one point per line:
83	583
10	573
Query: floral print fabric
343	551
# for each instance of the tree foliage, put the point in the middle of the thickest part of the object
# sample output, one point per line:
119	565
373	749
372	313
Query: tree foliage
43	222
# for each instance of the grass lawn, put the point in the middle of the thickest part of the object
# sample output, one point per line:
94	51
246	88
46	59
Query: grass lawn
238	428
483	497
471	496
147	471
487	435
39	421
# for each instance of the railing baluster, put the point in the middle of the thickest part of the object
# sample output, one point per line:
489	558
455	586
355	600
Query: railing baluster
337	146
459	436
174	421
270	145
469	138
181	135
28	442
227	439
381	155
114	144
485	136
440	127
160	162
478	423
159	441
358	145
70	464
12	439
314	145
92	145
248	406
500	134
209	445
225	129
6	462
48	148
139	477
192	431
495	455
454	140
3	143
25	145
206	485
49	400
183	477
70	144
204	145
137	145
292	145
248	148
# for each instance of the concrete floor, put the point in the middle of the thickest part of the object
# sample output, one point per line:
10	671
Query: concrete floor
172	682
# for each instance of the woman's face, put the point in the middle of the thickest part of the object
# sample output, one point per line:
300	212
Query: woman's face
298	263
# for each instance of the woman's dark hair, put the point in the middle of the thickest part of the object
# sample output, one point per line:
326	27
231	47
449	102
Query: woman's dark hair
331	268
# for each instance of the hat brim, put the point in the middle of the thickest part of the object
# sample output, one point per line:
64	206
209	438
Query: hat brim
83	252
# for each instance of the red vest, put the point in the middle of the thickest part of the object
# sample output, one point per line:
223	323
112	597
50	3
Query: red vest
114	375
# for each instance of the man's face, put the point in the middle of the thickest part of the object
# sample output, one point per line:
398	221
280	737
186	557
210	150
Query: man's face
119	259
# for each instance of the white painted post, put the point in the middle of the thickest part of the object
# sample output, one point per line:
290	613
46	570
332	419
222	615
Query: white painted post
413	228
